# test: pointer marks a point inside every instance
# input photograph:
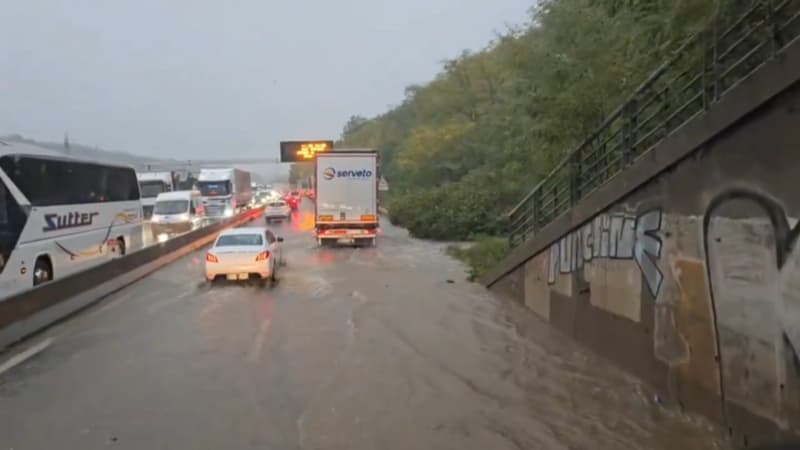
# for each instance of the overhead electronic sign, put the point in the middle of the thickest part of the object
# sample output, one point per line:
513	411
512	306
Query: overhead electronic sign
299	151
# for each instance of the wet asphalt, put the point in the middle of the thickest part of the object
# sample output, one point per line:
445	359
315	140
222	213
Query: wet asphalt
370	348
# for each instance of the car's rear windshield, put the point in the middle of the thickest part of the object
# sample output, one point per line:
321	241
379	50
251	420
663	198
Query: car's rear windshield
277	204
232	240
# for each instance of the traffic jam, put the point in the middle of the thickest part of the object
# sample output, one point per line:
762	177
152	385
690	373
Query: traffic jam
343	193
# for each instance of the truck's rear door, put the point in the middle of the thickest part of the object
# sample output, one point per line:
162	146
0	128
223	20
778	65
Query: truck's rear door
346	188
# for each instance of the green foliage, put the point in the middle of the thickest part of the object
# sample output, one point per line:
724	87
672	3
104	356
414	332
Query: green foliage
482	255
461	150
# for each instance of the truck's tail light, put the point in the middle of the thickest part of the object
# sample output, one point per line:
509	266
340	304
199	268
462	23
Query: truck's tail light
263	256
210	257
369	217
326	218
372	231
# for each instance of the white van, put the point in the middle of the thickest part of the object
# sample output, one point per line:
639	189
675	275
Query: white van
177	212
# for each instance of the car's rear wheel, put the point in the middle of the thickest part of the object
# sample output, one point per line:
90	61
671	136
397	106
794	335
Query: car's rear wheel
273	279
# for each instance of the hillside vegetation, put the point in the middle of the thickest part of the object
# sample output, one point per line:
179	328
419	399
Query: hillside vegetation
461	150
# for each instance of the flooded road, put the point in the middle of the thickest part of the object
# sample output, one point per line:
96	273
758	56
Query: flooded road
376	348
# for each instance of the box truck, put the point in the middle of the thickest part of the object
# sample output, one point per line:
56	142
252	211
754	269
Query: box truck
346	208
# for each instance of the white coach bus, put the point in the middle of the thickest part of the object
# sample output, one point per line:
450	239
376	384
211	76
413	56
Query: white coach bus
60	215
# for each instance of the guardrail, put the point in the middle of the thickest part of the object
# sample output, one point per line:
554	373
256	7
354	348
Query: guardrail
702	70
33	310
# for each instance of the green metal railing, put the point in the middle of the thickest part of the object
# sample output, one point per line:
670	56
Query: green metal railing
701	71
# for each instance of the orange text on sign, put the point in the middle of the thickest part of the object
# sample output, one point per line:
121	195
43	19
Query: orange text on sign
307	151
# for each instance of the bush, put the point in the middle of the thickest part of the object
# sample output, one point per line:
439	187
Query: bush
485	253
452	212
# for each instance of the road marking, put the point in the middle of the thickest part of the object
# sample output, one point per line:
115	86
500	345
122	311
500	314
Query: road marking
24	356
258	342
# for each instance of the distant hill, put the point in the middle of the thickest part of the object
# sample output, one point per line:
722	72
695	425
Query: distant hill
84	152
261	173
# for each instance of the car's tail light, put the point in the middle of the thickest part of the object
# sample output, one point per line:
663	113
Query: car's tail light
263	256
210	257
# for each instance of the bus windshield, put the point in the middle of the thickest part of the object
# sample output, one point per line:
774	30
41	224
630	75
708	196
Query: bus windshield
12	220
214	188
171	207
152	188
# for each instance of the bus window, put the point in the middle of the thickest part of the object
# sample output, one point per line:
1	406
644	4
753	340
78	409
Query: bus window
49	182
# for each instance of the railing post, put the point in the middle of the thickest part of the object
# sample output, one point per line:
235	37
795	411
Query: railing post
536	208
633	127
706	49
715	59
511	228
521	223
772	28
627	133
574	177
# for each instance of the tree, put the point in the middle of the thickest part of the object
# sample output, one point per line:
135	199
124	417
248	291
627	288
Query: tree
462	149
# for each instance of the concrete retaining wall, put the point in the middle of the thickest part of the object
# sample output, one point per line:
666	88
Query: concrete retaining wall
38	308
685	269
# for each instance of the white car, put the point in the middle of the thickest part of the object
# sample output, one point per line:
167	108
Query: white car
244	253
277	209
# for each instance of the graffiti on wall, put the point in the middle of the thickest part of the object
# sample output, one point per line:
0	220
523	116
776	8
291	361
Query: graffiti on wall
751	260
612	236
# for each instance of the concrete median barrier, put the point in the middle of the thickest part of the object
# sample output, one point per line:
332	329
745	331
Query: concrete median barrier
33	310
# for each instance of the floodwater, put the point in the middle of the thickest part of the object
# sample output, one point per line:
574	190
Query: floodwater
373	348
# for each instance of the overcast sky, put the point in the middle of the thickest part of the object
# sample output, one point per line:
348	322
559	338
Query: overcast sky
196	78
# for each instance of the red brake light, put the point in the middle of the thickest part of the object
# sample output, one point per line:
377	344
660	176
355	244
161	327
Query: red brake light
263	256
211	258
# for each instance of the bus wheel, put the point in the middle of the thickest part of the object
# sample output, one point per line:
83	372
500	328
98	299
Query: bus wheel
121	246
42	271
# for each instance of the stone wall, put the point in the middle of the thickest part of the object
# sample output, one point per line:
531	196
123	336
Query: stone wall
691	280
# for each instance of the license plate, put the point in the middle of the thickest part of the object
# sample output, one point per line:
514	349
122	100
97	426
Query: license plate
237	276
346	240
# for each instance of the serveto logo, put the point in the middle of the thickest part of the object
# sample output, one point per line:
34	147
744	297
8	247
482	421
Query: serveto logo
355	174
329	173
54	222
